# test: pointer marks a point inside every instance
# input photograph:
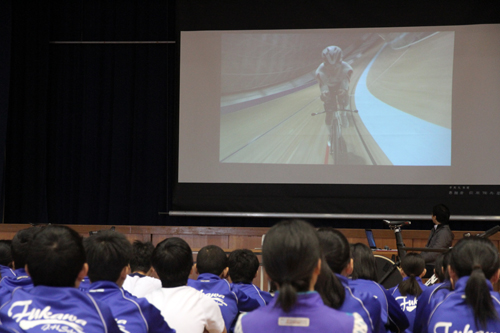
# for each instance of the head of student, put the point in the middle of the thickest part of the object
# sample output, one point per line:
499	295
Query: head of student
108	256
440	214
56	257
413	266
173	261
243	266
365	266
336	250
478	259
5	253
212	259
141	256
291	257
20	245
441	266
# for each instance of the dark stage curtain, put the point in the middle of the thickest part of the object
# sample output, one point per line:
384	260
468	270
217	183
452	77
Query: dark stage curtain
87	137
5	39
25	180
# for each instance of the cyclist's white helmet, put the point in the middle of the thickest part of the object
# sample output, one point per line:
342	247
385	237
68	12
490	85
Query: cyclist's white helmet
333	54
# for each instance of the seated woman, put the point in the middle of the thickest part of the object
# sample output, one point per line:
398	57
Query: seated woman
292	258
337	254
408	291
363	279
434	294
473	306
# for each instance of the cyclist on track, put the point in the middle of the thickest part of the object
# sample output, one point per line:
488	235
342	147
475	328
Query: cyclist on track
334	76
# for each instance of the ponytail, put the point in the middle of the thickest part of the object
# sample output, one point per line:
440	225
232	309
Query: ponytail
477	258
410	287
477	295
413	265
287	296
330	288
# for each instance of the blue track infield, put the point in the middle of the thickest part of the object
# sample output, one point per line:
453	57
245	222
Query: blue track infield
405	139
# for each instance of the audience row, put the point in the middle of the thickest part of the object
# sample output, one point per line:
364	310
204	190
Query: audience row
53	280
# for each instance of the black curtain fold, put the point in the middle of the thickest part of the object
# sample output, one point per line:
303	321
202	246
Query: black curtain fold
107	133
87	122
25	183
5	44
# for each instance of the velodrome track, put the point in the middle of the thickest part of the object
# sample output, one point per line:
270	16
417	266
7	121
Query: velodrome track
283	131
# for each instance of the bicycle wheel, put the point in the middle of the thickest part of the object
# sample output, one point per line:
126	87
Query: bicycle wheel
335	141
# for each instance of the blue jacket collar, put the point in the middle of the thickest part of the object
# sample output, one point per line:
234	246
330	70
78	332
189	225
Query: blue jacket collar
462	282
21	272
419	280
137	274
343	279
103	285
208	277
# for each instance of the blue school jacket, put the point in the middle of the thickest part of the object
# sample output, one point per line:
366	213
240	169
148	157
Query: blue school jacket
392	316
408	303
131	313
363	303
309	314
254	292
453	314
6	271
231	301
56	309
429	298
8	284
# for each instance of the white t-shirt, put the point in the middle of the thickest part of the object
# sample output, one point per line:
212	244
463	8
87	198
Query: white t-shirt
140	285
187	310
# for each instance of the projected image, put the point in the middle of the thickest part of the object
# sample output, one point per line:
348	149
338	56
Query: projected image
337	98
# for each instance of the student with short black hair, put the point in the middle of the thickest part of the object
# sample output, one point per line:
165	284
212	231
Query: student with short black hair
212	259
211	265
142	279
108	257
186	309
56	263
364	279
6	261
243	266
141	257
20	246
337	253
473	306
408	291
292	258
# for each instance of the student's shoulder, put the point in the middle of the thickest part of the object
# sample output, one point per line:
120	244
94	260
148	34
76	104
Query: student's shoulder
495	296
365	296
366	285
171	294
128	297
7	296
331	320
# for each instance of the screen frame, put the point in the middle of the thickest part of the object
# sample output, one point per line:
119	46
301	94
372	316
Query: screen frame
338	201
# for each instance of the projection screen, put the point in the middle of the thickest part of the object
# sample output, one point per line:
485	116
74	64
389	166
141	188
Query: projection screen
415	106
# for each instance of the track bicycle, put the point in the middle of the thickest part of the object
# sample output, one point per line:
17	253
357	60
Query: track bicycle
338	120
